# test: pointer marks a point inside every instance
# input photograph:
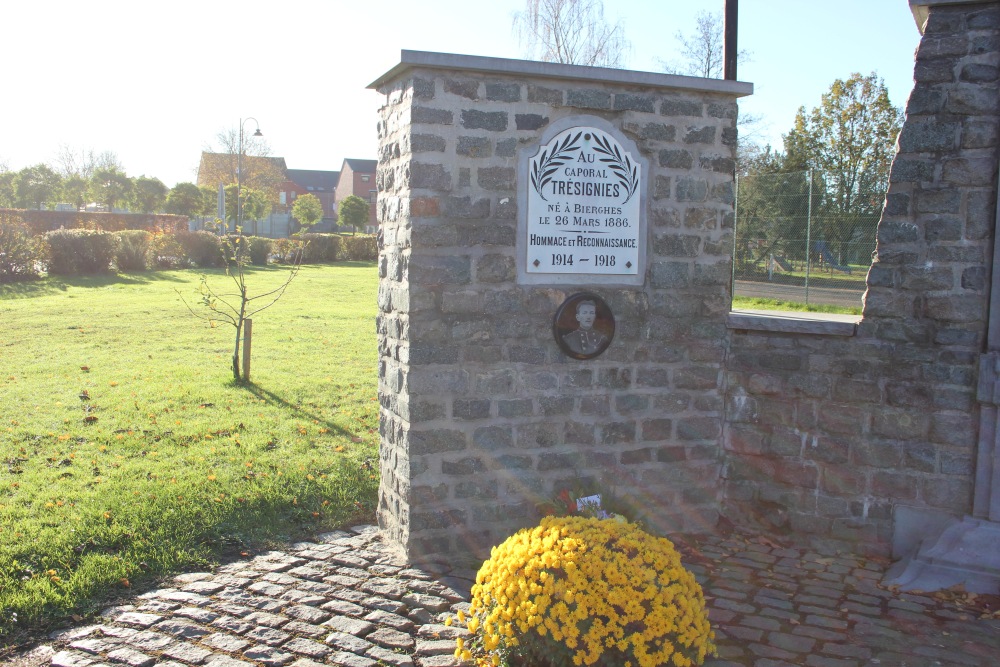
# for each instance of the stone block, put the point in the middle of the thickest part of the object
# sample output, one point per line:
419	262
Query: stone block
518	407
541	94
699	428
974	278
481	147
979	73
467	88
530	121
957	430
910	169
691	189
435	441
925	100
979	134
674	106
439	270
947	493
495	269
493	121
919	457
506	148
928	136
588	98
973	100
467	208
427	143
429	176
657	429
633	102
467	408
700	135
496	179
718	163
900	424
675	158
480	489
955	308
503	92
744	439
614	433
421	115
563	461
966	172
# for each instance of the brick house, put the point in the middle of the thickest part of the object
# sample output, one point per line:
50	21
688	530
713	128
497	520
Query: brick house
322	184
357	177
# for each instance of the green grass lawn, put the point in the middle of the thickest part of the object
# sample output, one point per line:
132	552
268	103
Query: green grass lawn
760	303
127	452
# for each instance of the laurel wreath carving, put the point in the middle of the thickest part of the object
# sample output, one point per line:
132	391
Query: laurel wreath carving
546	165
626	172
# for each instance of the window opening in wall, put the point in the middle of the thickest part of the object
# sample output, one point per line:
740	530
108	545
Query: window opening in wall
798	246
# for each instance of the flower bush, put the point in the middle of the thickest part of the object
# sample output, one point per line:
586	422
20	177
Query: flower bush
586	591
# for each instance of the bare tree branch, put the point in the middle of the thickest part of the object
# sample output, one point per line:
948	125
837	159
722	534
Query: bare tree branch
574	32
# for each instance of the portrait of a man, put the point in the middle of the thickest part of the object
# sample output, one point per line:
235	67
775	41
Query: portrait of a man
584	326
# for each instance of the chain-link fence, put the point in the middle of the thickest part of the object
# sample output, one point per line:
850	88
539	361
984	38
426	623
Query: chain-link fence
802	238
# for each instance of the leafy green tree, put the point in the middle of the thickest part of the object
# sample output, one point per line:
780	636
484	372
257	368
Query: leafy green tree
849	138
185	199
353	212
8	198
308	210
256	204
110	187
74	190
209	201
34	186
148	194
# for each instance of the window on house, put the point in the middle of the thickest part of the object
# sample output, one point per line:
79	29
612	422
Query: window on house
365	178
372	196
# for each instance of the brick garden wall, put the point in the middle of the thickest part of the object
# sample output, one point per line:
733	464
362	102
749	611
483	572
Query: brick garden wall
826	435
482	415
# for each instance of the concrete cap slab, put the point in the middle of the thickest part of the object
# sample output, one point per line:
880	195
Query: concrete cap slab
449	61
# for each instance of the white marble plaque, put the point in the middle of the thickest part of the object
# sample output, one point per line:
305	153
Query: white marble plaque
583	206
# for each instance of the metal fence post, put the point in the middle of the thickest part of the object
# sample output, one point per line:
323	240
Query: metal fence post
809	208
736	233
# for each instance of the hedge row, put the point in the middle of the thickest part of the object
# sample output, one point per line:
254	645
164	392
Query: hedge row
40	222
83	251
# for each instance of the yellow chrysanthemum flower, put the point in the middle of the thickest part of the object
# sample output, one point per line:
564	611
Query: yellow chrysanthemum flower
583	590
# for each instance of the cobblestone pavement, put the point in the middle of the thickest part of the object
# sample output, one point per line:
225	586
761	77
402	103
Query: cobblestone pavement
346	599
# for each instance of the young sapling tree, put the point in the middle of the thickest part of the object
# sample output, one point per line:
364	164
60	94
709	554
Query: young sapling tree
237	307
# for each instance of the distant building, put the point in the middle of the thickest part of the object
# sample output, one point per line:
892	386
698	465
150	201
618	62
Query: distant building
357	177
260	173
271	174
323	184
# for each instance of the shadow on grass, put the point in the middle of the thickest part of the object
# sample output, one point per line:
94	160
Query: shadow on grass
56	284
297	410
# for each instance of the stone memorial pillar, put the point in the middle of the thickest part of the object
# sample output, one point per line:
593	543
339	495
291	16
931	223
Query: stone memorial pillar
554	281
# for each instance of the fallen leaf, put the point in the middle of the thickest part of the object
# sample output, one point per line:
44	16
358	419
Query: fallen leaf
85	369
90	418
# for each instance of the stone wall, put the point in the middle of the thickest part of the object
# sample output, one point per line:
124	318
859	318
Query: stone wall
482	416
827	434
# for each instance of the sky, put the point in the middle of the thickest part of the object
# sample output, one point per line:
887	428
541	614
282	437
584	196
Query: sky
155	82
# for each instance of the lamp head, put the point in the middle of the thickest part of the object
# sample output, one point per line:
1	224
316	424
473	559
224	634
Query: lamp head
258	133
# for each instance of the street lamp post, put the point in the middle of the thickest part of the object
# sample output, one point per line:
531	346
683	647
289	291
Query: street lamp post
239	173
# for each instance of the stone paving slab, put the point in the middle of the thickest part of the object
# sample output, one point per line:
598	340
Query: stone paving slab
346	599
